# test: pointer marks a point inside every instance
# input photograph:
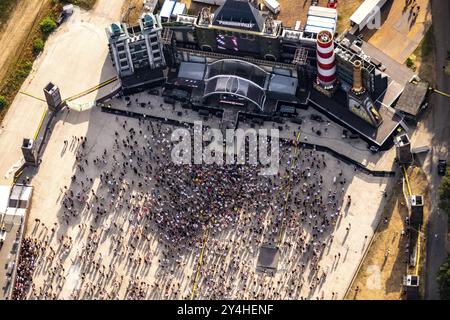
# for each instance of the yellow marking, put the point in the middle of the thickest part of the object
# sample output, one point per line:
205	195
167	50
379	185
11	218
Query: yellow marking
407	181
199	266
40	123
88	91
442	93
31	96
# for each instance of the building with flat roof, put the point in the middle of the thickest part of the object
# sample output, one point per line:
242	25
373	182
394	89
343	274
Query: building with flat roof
413	98
137	52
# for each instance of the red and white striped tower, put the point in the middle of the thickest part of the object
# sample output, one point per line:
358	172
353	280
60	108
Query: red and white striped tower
326	61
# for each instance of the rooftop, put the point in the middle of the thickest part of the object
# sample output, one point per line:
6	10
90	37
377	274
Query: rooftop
412	98
239	14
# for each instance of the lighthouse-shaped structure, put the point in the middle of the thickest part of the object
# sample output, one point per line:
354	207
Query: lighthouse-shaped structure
326	64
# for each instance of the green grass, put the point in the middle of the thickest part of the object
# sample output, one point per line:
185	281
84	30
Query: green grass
426	45
6	7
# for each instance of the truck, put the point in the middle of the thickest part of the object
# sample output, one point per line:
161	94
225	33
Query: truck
273	6
442	167
367	12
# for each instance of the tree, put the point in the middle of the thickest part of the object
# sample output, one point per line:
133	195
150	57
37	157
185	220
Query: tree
444	192
443	279
409	63
3	102
38	46
48	25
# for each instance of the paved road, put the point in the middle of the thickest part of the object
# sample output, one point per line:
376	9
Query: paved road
437	122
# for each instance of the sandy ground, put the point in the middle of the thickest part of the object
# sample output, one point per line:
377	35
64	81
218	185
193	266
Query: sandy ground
380	277
16	30
75	58
400	33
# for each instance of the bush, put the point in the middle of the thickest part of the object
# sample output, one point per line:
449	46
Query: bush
3	102
24	69
409	62
48	25
38	46
444	192
443	279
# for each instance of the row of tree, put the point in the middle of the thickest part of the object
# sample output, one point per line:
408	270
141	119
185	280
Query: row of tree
443	276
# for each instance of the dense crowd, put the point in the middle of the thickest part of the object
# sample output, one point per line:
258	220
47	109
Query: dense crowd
155	213
25	269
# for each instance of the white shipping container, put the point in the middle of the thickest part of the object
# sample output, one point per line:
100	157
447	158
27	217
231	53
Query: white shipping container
321	11
314	29
320	20
366	12
273	6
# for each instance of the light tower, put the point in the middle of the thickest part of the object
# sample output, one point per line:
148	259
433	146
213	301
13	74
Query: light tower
326	61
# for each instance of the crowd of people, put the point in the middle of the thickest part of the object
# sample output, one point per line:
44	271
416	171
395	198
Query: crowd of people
309	214
25	269
131	223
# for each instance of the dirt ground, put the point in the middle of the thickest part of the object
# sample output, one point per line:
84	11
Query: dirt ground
401	32
14	33
345	11
380	278
131	10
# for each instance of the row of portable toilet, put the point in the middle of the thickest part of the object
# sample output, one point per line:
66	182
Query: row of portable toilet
321	18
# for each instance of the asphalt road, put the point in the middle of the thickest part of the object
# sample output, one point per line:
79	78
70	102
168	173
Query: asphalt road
438	122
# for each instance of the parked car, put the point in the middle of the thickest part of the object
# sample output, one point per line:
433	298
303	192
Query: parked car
442	167
332	4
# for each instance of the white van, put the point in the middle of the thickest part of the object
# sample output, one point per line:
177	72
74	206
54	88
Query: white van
273	6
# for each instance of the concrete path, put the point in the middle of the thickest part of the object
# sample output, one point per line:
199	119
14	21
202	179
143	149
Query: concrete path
75	58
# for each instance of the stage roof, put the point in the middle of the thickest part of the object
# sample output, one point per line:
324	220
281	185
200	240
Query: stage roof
239	14
283	84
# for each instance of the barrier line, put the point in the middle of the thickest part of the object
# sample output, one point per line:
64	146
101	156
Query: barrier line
199	265
40	123
407	181
88	91
441	93
288	189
